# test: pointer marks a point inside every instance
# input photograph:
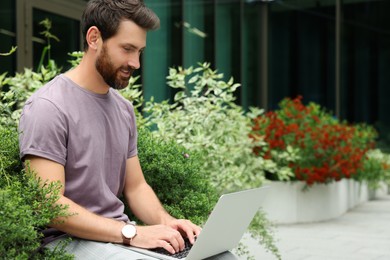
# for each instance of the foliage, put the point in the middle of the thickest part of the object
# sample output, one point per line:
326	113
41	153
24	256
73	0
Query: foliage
262	229
10	164
46	23
204	118
19	89
375	168
14	91
25	204
383	142
76	57
329	150
13	49
175	174
133	93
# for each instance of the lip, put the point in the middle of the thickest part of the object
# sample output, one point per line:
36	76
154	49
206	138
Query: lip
125	73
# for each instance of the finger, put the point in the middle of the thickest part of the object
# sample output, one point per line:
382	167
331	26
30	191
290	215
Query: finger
167	246
175	240
196	228
191	231
178	242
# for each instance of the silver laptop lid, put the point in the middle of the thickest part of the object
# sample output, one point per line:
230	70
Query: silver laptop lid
227	223
224	227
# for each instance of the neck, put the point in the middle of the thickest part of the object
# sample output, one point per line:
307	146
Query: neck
86	76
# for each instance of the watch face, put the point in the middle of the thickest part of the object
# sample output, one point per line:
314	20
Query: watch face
129	231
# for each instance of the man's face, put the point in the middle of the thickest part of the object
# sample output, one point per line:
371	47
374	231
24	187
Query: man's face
120	55
110	73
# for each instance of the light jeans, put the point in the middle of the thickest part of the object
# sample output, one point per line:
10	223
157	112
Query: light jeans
85	249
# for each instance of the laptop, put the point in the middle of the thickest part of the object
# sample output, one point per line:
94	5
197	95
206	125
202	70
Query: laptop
224	227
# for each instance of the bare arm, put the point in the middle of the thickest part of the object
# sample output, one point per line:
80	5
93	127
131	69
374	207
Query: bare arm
141	198
82	223
163	232
167	231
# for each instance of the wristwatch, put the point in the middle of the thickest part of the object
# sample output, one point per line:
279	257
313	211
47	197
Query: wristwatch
129	231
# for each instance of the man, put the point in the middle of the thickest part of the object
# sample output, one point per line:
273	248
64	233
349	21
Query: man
78	130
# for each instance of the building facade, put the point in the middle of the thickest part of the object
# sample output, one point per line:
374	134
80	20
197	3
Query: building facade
332	52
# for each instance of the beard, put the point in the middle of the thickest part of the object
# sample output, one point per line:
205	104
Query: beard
112	75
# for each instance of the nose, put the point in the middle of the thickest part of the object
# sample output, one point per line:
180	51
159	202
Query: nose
134	62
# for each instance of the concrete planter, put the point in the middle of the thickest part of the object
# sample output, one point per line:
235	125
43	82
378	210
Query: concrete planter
288	203
381	191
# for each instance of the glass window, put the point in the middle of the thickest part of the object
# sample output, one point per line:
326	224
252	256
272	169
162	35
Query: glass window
66	29
251	39
227	38
194	31
7	35
365	63
164	49
302	51
186	37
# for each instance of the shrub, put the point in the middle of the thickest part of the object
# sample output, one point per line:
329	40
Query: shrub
204	118
25	204
375	168
10	164
329	150
176	176
14	91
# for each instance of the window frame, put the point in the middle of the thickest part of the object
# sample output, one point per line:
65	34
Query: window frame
24	24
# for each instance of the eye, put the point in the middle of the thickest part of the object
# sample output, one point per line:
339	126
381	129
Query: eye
127	49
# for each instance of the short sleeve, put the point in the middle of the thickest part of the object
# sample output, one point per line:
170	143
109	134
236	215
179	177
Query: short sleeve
43	131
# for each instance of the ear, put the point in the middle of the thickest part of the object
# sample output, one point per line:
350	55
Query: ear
93	37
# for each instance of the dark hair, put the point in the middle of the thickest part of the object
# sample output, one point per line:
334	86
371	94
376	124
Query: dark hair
108	14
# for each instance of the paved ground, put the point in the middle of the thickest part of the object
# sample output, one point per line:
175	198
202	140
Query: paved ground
361	234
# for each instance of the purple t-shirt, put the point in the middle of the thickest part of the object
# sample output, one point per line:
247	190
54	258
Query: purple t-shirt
91	135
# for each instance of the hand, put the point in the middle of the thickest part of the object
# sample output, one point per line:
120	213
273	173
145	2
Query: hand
158	236
186	228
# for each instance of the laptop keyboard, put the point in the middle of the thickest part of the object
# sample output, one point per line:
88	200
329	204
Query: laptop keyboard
179	255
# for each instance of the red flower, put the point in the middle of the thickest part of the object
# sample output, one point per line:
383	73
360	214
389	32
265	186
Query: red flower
329	149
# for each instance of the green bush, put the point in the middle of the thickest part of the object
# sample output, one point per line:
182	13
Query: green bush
10	164
14	91
177	177
25	206
204	118
375	169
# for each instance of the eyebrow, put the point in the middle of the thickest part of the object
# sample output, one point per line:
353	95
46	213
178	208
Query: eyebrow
133	46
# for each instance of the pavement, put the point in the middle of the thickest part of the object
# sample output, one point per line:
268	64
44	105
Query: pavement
362	233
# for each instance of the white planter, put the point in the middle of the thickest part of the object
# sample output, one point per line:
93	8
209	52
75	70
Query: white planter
288	203
381	191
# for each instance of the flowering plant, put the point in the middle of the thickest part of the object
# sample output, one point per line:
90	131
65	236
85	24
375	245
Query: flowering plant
204	118
375	170
329	149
